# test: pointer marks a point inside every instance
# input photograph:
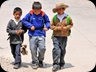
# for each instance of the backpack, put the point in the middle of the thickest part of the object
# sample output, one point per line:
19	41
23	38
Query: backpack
68	22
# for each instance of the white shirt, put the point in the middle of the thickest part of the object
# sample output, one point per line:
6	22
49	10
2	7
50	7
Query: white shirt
60	17
16	21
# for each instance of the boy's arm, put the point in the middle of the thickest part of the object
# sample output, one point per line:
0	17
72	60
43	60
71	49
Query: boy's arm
9	30
70	25
26	21
53	26
47	21
24	29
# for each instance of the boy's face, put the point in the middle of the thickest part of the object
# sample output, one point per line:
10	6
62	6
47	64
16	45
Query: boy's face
37	11
60	11
17	15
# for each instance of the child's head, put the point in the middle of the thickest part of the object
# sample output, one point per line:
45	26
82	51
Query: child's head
37	6
60	8
17	12
60	11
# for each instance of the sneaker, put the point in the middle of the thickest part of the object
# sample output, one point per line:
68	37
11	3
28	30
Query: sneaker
55	67
61	66
34	65
40	63
16	66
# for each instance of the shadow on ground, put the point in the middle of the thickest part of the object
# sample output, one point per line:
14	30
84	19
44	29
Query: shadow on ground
68	65
25	65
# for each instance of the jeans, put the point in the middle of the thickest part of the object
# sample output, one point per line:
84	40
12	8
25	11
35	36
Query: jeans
37	46
15	50
59	49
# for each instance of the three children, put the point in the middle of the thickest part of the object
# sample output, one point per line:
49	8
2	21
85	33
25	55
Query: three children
37	22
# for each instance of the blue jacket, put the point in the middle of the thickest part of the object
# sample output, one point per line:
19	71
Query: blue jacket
38	21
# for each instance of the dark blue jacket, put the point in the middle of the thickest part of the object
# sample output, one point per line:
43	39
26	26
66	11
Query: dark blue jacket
38	21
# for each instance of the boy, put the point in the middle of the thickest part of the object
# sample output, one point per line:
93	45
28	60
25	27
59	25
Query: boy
37	23
60	33
16	35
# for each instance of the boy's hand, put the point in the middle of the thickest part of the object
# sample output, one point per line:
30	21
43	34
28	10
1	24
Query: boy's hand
17	32
20	31
32	28
45	29
64	28
60	28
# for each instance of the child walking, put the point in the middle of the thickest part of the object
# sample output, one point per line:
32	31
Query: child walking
16	31
60	33
37	23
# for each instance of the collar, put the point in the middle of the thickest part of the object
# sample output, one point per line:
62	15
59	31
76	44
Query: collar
32	11
61	17
16	21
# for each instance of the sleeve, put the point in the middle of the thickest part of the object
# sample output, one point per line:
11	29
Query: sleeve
24	28
9	29
70	25
26	21
53	26
47	21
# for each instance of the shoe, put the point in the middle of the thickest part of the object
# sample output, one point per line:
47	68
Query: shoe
16	66
61	66
40	63
34	65
55	67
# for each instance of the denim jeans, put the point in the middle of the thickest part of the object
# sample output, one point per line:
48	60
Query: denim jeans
59	49
37	46
15	50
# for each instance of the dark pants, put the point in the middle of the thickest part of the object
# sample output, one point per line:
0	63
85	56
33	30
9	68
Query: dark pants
15	50
59	50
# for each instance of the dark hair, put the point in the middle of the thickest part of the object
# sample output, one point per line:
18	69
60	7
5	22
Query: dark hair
17	9
36	5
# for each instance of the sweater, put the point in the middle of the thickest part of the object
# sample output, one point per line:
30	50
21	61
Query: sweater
11	30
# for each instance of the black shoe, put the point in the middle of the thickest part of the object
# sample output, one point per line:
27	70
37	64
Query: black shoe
34	65
61	66
40	63
55	67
